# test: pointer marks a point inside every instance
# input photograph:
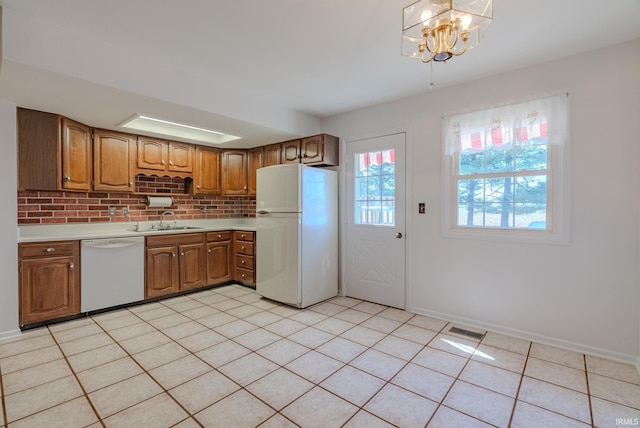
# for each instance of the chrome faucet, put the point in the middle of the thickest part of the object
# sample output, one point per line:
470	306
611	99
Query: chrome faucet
175	220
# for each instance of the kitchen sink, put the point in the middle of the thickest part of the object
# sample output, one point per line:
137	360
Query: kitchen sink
168	229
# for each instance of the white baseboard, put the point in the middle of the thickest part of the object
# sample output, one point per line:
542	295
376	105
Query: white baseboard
9	334
534	337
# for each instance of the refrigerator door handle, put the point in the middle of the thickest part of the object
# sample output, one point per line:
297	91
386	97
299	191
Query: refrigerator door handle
263	212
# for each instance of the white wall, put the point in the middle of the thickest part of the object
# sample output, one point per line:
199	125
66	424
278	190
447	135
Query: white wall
8	223
584	295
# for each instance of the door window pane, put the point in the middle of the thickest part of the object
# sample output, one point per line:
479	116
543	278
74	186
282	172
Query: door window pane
375	188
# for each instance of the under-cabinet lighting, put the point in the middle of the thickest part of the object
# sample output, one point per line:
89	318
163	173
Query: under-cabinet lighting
154	125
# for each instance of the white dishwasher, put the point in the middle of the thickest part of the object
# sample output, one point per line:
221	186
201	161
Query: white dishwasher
111	272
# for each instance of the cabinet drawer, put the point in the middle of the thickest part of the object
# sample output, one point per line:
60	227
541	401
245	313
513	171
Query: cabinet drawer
241	247
224	235
42	249
244	275
245	262
179	239
241	235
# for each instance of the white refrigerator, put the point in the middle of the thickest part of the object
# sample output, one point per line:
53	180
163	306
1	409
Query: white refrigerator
297	234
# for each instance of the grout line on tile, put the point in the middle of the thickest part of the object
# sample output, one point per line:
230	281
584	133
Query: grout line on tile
75	375
164	390
586	375
4	406
515	401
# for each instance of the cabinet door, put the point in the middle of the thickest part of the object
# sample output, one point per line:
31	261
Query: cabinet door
207	174
180	157
312	149
162	271
291	151
234	172
255	162
193	265
272	154
152	153
113	155
49	288
218	262
76	155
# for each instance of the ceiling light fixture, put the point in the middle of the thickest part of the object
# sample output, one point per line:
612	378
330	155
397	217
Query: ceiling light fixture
440	29
177	130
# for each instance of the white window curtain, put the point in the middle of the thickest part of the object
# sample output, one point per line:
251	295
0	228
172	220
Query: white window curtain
492	127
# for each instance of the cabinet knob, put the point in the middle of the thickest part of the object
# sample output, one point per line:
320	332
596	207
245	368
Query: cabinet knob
162	162
170	162
49	250
173	254
243	247
243	262
209	249
67	178
198	186
245	187
243	236
71	266
219	236
131	183
244	275
305	155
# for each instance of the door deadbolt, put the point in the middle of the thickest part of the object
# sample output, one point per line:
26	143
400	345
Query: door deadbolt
398	235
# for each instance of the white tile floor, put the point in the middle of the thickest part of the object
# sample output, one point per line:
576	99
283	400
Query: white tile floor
227	358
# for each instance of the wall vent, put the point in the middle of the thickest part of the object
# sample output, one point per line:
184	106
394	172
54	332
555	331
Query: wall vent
467	333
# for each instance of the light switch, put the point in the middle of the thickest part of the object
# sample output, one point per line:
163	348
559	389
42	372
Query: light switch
421	208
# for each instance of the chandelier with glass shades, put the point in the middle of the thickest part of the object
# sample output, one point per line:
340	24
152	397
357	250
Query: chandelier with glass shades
440	29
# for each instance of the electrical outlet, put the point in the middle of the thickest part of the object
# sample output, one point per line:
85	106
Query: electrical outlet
112	211
125	212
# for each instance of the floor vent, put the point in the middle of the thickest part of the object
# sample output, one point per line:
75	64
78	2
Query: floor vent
468	333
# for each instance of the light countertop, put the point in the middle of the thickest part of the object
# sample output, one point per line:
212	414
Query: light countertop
64	232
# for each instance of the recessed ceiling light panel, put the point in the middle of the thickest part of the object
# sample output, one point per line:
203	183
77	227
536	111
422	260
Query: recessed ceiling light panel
170	129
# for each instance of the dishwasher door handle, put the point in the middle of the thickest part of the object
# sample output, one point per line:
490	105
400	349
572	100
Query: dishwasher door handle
105	244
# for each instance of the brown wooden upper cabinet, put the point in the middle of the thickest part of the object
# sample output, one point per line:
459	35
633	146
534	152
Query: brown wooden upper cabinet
206	178
319	150
160	157
234	172
291	151
256	160
272	154
113	161
54	153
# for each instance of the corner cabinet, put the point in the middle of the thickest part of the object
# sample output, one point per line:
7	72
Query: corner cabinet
54	153
49	280
113	161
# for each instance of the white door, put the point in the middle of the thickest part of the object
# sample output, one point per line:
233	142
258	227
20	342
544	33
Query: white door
375	241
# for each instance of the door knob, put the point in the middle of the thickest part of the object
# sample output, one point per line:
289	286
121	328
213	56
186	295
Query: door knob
398	235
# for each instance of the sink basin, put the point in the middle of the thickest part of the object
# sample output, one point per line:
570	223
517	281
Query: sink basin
168	229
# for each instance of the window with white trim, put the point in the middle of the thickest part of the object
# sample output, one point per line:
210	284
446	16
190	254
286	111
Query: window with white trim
505	171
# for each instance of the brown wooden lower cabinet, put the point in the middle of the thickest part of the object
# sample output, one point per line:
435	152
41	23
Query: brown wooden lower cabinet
174	263
218	257
244	257
49	280
186	261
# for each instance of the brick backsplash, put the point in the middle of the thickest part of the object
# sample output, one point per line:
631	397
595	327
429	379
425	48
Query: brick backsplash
48	207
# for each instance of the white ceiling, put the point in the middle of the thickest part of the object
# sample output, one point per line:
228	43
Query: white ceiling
266	70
